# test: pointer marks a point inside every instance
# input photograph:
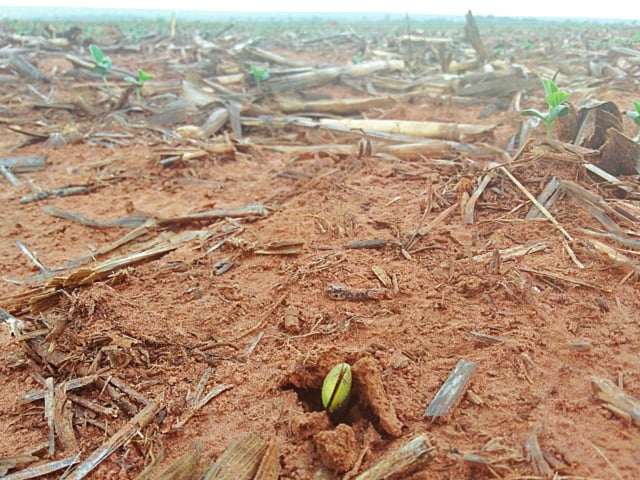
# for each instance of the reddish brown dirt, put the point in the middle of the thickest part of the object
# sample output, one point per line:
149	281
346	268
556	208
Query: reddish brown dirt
159	325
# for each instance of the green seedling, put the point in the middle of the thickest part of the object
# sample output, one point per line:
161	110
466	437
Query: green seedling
103	63
259	74
555	100
336	388
358	57
635	116
139	82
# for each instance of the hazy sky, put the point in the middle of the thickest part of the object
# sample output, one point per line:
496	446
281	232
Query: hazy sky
620	9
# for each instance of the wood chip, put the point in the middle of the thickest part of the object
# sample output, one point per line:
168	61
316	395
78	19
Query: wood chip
622	404
382	275
452	389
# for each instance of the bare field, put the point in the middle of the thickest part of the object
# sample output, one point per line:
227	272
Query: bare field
185	257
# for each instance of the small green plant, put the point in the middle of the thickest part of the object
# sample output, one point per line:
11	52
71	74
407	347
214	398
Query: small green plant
139	82
635	116
103	63
358	57
555	99
259	74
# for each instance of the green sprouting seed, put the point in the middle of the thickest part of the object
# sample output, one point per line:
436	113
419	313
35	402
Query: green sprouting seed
336	387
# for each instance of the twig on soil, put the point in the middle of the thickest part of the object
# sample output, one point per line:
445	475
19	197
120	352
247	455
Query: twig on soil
15	324
421	232
131	221
533	200
547	197
131	428
351	473
338	291
342	106
627	242
427	209
78	382
13	180
613	180
607	461
280	247
63	420
596	206
120	385
366	244
32	257
254	344
470	204
200	388
571	253
617	257
485	338
93	406
251	210
566	278
194	407
509	253
452	389
71	190
118	398
27	69
24	164
263	319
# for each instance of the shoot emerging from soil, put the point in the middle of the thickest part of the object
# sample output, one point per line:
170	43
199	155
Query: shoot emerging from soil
555	99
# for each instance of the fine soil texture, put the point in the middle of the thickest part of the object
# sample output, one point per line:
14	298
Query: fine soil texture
185	255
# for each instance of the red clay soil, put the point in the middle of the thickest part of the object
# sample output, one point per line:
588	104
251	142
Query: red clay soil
538	327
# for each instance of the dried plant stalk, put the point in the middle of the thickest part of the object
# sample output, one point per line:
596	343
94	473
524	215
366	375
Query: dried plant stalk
186	467
622	403
340	106
240	461
269	468
63	420
43	469
122	436
445	131
402	462
535	456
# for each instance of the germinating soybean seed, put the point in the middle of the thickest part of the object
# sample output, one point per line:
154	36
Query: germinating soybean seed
336	387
